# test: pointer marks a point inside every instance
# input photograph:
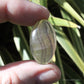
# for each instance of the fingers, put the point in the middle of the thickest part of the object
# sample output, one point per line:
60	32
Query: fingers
30	72
21	12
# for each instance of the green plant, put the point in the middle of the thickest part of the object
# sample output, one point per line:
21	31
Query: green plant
70	49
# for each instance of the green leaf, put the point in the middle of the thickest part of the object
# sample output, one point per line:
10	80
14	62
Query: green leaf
21	43
62	22
1	61
40	2
74	33
78	5
67	46
66	6
75	76
6	57
59	63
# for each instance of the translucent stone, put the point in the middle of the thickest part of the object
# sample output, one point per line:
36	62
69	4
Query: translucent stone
43	42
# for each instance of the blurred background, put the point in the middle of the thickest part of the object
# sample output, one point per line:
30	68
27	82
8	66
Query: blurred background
66	17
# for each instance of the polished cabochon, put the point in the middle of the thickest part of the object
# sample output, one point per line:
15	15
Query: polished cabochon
43	42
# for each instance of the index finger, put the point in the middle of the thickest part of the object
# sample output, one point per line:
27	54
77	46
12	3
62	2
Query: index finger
21	12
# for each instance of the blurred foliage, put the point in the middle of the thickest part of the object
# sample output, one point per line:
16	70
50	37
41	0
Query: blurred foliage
65	16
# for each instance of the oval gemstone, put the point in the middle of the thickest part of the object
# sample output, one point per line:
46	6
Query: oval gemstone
43	42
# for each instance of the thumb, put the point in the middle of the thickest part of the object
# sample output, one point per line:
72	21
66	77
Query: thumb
29	72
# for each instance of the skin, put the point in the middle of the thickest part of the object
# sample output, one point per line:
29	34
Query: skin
25	72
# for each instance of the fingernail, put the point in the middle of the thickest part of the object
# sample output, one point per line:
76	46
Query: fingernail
48	75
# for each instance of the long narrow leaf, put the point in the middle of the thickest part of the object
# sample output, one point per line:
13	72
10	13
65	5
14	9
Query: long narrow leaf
1	61
74	33
62	22
59	62
66	6
78	7
21	43
6	56
75	76
65	43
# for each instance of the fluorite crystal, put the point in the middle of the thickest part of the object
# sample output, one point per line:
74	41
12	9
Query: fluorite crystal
43	42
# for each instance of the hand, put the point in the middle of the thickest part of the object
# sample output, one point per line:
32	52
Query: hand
29	72
21	12
25	72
